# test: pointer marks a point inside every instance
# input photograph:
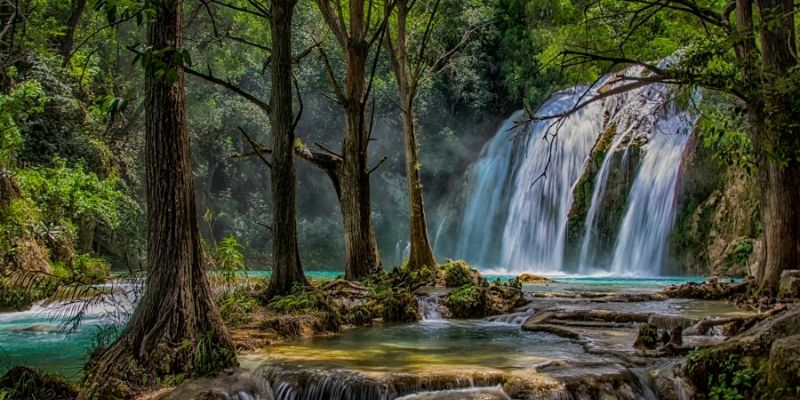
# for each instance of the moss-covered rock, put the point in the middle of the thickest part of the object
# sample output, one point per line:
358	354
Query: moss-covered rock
739	366
22	383
468	301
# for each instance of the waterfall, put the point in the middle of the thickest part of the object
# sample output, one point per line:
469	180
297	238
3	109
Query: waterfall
520	192
645	230
533	238
429	307
486	196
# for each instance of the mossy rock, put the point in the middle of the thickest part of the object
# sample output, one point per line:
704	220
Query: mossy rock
468	301
27	383
400	307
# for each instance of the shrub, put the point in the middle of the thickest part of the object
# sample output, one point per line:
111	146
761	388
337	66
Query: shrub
457	274
236	307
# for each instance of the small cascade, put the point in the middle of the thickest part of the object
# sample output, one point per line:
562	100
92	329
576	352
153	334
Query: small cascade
429	307
298	383
516	318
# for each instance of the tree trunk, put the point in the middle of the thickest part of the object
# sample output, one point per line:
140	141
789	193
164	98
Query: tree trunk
775	138
72	25
361	248
421	253
287	269
351	170
407	80
176	328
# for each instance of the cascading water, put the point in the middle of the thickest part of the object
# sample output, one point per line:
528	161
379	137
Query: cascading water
487	199
648	221
519	194
533	238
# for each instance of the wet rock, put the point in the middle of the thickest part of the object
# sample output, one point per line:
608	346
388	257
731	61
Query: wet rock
494	393
784	363
604	381
22	383
648	337
749	349
667	321
712	289
533	278
668	383
790	285
221	387
553	330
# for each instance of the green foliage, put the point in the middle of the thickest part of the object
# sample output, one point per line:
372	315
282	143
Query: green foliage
28	383
26	99
457	273
299	302
14	297
228	259
87	269
735	381
236	307
743	251
73	197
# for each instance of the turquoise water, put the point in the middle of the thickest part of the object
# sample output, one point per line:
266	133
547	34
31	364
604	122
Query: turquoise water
35	337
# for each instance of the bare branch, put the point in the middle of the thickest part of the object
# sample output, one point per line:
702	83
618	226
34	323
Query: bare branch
383	159
257	148
226	83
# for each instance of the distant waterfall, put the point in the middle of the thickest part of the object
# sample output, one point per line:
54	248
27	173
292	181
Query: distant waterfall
519	193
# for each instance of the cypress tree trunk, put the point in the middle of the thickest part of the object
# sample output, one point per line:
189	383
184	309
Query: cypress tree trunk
407	77
287	269
777	144
176	328
775	138
351	170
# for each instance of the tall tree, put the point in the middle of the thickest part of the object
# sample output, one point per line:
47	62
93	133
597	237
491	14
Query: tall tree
408	70
355	32
746	49
286	270
176	328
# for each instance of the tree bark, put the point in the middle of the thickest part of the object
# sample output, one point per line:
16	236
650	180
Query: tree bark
421	252
352	173
407	82
176	327
774	137
67	42
776	144
286	269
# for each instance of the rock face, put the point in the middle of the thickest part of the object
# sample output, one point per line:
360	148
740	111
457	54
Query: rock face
790	285
716	227
784	363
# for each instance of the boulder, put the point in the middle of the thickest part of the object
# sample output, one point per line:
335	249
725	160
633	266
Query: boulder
533	278
784	363
790	284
